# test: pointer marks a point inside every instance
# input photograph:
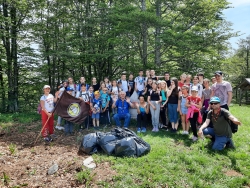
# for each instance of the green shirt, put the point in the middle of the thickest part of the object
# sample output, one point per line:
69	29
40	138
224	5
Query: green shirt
163	95
221	126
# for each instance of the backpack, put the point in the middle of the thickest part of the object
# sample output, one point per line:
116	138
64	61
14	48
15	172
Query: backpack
233	126
120	81
87	94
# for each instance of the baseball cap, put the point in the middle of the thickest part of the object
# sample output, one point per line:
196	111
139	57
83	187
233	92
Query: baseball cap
194	88
214	100
218	73
96	92
69	89
46	86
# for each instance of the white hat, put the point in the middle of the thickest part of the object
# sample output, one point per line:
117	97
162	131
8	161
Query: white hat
194	88
46	86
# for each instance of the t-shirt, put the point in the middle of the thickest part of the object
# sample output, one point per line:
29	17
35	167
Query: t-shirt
155	96
140	83
96	87
105	98
164	96
195	100
116	91
154	78
220	90
131	83
173	98
122	106
200	89
84	95
168	82
97	104
149	88
48	102
180	84
206	93
108	86
221	126
124	85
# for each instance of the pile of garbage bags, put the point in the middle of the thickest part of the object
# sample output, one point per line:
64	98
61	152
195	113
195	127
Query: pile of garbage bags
119	142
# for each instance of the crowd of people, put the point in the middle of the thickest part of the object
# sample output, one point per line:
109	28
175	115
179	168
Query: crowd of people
164	102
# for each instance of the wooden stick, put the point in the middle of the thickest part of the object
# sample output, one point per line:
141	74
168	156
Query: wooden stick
41	130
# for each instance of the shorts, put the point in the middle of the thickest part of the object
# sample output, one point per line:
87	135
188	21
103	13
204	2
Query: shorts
95	116
184	110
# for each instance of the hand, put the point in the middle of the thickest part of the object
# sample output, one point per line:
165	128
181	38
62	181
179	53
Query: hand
49	114
172	86
128	100
80	98
162	106
200	133
192	103
237	122
154	107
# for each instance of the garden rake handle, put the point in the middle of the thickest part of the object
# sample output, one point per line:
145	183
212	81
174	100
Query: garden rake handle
42	130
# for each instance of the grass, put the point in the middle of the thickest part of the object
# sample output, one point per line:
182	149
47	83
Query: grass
12	148
84	177
175	161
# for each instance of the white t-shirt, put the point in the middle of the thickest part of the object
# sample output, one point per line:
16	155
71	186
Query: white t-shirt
61	90
48	102
140	83
116	91
124	85
84	95
221	90
200	89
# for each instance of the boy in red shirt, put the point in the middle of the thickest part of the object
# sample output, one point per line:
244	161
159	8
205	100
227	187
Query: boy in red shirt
193	103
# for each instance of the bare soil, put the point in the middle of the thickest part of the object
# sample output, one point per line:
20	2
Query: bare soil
24	164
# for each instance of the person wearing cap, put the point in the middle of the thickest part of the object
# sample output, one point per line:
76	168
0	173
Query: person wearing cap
193	103
69	126
122	105
47	103
96	106
222	89
221	132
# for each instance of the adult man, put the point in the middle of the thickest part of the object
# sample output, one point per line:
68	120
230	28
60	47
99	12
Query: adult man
223	90
221	132
167	78
122	105
140	83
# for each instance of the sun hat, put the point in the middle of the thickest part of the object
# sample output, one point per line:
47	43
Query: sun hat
214	100
69	89
194	88
46	86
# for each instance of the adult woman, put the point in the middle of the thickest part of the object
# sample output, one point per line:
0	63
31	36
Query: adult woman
95	85
47	104
163	90
154	99
173	95
142	110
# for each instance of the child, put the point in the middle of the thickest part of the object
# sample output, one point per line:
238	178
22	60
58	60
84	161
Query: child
91	92
196	83
105	105
193	103
124	84
182	80
183	109
205	98
107	83
114	92
163	90
96	109
95	84
69	126
131	83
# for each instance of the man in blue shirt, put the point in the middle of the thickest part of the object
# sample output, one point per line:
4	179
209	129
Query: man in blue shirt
122	105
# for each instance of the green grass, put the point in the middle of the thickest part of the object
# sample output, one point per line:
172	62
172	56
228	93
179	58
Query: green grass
23	118
175	161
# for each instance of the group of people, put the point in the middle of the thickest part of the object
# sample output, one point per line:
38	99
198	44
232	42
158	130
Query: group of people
198	101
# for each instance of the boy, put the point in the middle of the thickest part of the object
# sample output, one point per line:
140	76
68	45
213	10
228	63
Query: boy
95	105
124	84
140	83
105	98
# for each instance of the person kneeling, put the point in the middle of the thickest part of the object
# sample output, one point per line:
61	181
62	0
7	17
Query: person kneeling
142	110
221	133
122	105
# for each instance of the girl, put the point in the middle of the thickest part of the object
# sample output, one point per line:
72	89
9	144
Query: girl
148	87
182	81
72	85
91	92
96	105
206	92
114	92
47	104
193	103
196	83
107	83
154	99
102	86
164	88
188	80
183	109
142	110
173	95
95	85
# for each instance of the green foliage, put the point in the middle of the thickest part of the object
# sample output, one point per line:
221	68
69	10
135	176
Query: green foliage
84	177
12	148
23	118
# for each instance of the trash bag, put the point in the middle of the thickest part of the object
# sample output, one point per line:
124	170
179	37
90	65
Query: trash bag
89	143
134	97
142	147
125	147
107	142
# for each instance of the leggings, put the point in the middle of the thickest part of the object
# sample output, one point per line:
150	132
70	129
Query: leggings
193	121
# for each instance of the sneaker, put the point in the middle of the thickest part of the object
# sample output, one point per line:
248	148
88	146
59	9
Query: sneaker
187	133
183	133
58	127
143	130
156	129
153	130
53	136
194	138
47	139
160	125
138	130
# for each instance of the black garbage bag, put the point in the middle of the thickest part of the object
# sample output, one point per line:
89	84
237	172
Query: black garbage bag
125	147
142	147
89	143
107	142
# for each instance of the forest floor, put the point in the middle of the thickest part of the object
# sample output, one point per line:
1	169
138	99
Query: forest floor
24	164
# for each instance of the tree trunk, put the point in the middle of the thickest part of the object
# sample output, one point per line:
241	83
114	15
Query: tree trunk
144	37
157	35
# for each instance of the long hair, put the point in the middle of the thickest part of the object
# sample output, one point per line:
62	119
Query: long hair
176	90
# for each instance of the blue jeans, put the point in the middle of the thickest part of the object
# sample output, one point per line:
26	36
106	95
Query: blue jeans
118	117
68	127
139	93
172	113
220	141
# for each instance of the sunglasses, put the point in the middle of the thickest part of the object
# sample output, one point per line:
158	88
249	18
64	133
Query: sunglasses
214	103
